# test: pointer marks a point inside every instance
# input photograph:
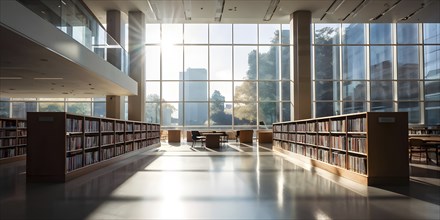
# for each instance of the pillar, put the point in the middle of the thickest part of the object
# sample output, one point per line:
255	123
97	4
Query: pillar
115	106
136	49
300	25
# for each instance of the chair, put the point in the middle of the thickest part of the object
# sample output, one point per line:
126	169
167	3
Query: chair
416	146
196	136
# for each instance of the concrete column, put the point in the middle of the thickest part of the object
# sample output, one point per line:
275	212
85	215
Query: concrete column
115	107
300	25
136	48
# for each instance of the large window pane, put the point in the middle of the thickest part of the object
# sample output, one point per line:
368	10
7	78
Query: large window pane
268	65
413	109
407	33
354	91
172	34
221	112
152	112
381	90
99	109
327	33
172	91
196	113
269	33
220	33
432	62
245	33
20	109
221	91
285	62
432	113
380	33
407	62
286	110
381	62
196	57
431	33
245	91
4	109
353	33
353	61
245	113
285	90
327	109
220	58
432	90
269	112
196	91
152	91
152	33
152	62
382	107
245	62
51	107
327	62
268	91
196	33
172	62
80	108
327	90
408	90
171	114
285	33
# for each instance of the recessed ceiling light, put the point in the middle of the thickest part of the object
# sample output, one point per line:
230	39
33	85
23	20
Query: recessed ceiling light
47	78
10	77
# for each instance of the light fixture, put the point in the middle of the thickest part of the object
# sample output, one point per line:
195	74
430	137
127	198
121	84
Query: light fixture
357	9
219	10
187	9
48	78
422	6
386	11
333	7
271	10
154	10
10	77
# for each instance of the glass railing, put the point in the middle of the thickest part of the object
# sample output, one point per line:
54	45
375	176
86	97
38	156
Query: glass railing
75	19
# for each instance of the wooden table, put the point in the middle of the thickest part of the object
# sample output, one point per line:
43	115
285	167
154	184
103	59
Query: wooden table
430	142
212	139
174	136
264	136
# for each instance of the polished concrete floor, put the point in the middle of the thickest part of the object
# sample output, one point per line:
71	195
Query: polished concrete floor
235	182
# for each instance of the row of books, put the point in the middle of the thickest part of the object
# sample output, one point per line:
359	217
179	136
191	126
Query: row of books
74	162
91	126
12	142
357	144
91	157
12	124
357	164
92	141
12	133
338	126
74	125
357	125
107	139
323	126
74	143
338	142
338	159
107	126
12	152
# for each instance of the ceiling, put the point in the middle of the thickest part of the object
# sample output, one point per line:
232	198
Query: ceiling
254	11
29	70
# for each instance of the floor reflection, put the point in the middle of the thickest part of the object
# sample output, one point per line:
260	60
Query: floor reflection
176	182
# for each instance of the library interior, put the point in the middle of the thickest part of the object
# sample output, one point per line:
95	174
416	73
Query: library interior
220	109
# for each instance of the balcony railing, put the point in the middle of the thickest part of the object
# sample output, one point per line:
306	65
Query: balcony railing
75	19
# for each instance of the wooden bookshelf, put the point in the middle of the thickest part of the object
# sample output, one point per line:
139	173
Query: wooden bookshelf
63	146
13	139
370	148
